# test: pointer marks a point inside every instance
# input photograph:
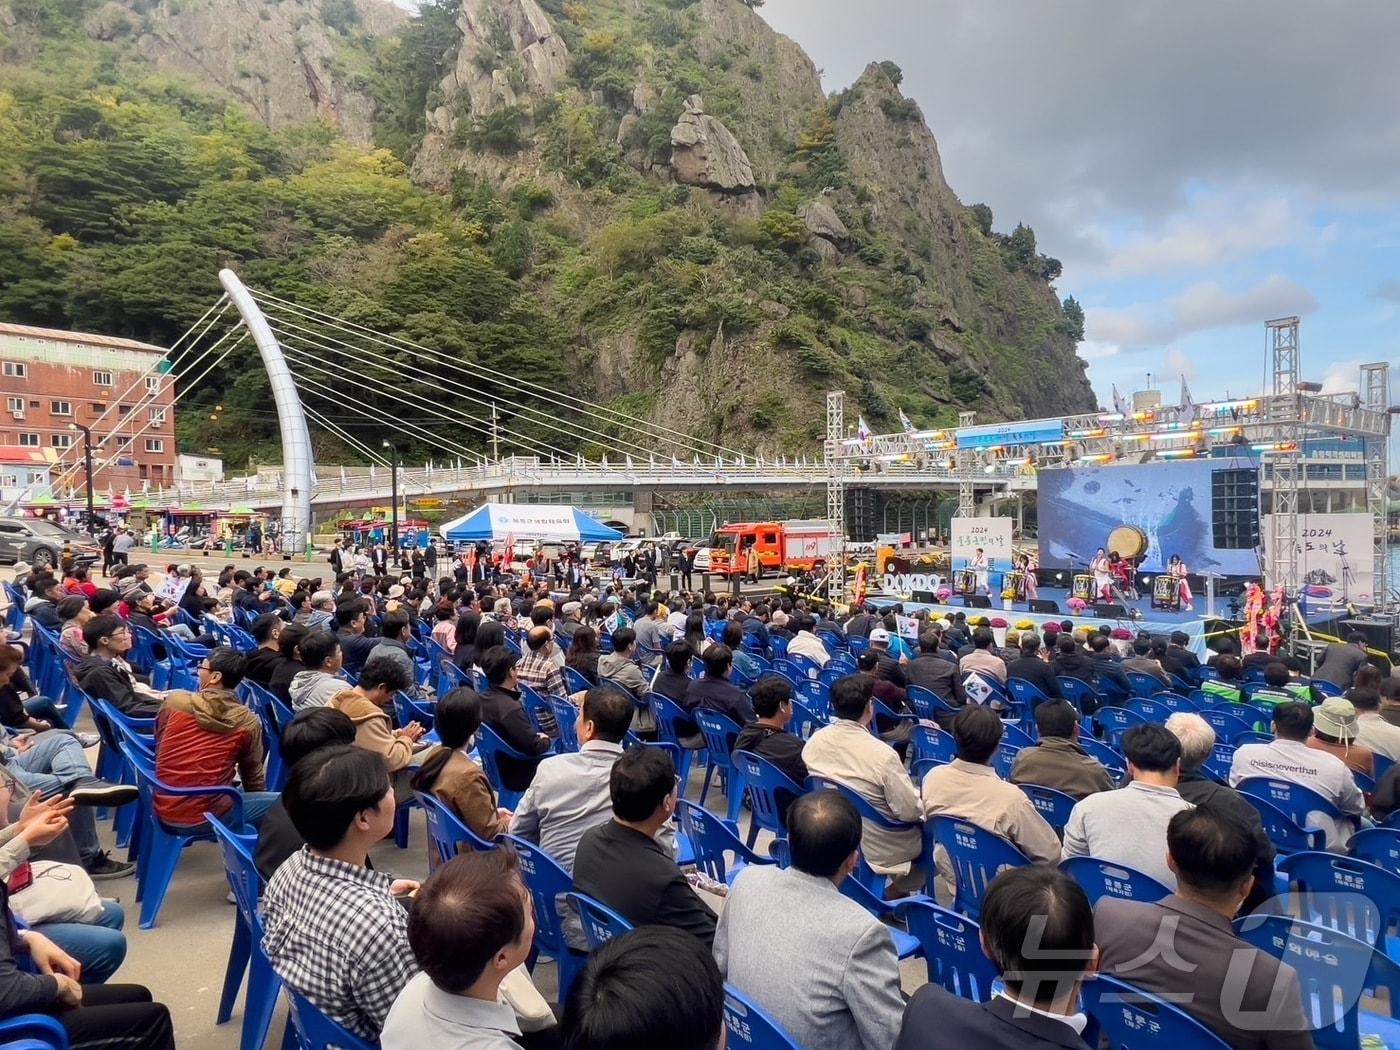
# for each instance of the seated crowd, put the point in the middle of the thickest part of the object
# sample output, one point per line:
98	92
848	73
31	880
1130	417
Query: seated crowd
324	674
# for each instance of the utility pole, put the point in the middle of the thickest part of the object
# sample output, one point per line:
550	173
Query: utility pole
87	466
394	499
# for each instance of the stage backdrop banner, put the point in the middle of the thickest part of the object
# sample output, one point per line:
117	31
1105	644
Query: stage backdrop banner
993	535
1171	503
1334	556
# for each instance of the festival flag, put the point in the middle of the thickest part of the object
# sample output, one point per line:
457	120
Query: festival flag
905	423
1119	405
1188	407
863	429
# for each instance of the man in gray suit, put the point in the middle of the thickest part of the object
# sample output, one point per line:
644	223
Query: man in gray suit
1183	947
819	963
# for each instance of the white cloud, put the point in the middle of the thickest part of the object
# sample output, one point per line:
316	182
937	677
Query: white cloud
1215	232
1179	363
1200	308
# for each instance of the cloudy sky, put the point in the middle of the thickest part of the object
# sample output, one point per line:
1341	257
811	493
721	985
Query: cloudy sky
1200	167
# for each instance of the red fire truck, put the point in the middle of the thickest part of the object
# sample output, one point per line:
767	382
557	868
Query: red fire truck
783	546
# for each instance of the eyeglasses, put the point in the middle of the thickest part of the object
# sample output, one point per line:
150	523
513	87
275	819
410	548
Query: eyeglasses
205	667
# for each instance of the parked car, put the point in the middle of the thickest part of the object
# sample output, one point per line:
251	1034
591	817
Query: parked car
43	544
702	559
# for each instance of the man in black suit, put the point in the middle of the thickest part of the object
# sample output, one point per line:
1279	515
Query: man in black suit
1109	670
621	864
936	669
1017	904
1029	667
1180	660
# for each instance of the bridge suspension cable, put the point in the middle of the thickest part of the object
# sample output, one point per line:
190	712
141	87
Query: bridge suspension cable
653	432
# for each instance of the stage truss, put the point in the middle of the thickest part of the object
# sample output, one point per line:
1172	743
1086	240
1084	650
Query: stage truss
1277	425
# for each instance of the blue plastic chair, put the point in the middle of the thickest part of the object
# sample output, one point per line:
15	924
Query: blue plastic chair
1109	756
769	790
929	705
1100	879
600	923
1326	688
576	681
1116	721
15	615
1151	709
1016	735
977	856
720	733
952	946
407	710
547	881
805	721
1217	765
711	839
751	1027
1026	692
446	831
1379	846
1079	692
315	1031
490	748
1175	702
934	744
161	845
1143	685
670	720
1287	835
1228	727
1005	758
1294	799
1136	1020
1352	896
1334	971
246	953
1054	806
566	718
33	1031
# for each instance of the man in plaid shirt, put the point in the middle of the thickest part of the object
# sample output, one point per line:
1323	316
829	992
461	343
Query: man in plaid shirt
541	672
334	931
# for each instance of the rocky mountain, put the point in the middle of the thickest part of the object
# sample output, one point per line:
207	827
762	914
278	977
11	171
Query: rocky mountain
668	211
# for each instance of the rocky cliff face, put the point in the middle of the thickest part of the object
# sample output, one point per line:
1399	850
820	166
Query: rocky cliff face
288	62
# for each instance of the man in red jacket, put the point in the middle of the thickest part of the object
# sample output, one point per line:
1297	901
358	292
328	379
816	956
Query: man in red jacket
202	738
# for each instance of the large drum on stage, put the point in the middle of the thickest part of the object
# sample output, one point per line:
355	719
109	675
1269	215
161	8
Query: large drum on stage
1083	588
1166	592
1129	541
1016	582
964	581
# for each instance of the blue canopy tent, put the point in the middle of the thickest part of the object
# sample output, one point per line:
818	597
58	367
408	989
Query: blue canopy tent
521	522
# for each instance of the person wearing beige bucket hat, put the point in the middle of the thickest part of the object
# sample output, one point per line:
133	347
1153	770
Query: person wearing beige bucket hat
1335	727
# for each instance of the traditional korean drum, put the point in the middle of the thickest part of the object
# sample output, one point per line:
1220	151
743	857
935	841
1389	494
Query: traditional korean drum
1166	592
1084	587
964	581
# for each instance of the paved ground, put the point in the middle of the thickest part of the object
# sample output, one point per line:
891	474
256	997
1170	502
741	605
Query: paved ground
182	960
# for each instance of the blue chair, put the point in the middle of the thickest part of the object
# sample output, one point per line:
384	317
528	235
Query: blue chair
1109	756
1116	721
1026	692
805	721
1325	688
246	953
977	856
1017	736
33	1031
547	881
1054	806
1135	1020
1294	799
1379	846
1217	766
934	744
407	710
712	838
450	677
315	1031
1253	737
490	748
577	682
161	844
1228	727
751	1027
952	946
670	720
566	718
720	733
1005	758
929	705
600	923
770	790
1143	685
1287	835
1175	702
1334	971
15	614
1345	894
1100	879
1151	709
1079	692
446	831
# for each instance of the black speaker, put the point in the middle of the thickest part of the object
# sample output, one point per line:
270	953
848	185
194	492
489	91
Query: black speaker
1110	610
1043	605
1234	509
976	601
1380	634
923	596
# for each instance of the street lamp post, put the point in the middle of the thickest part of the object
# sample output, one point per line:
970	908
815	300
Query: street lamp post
394	499
87	467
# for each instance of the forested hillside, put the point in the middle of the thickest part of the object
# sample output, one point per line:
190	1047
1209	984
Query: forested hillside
647	202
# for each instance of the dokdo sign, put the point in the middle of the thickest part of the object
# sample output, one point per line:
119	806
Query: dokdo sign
1024	432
